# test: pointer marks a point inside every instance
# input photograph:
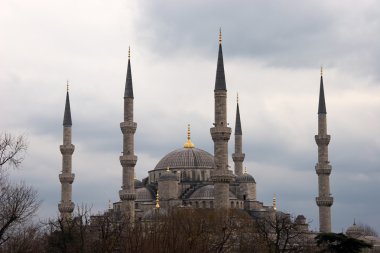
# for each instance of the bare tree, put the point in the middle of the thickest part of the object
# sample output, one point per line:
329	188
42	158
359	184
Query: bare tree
12	150
368	230
18	202
281	233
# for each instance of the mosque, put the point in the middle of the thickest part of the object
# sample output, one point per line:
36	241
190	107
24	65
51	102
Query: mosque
190	176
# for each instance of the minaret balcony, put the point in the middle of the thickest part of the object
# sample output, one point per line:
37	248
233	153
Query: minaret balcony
222	176
66	207
125	195
322	139
238	157
324	201
323	169
66	178
128	127
219	133
67	149
128	160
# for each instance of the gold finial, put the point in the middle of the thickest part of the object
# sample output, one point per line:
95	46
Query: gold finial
67	85
274	202
321	70
189	143
245	170
129	52
220	35
157	200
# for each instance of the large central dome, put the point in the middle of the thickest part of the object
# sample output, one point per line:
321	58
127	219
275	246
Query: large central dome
186	158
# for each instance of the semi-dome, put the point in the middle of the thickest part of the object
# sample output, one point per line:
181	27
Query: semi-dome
207	192
245	178
143	194
186	158
168	176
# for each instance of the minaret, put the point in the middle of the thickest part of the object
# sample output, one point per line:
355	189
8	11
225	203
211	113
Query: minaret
220	133
128	159
323	167
238	156
66	206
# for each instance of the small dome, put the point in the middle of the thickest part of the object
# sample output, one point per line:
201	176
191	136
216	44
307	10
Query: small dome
355	231
155	213
143	194
207	192
186	158
167	176
138	183
245	178
300	219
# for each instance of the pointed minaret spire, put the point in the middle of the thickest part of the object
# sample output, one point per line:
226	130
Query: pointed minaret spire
67	115
128	93
322	103
237	122
220	81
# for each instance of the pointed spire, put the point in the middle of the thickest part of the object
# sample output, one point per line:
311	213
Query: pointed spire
220	82
237	122
322	103
67	115
188	143
128	93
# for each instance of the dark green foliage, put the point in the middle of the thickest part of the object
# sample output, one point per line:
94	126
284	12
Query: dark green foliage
340	243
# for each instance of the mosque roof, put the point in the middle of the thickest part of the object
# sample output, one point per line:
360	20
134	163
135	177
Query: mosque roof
67	115
168	175
143	194
355	231
138	183
245	178
186	158
207	192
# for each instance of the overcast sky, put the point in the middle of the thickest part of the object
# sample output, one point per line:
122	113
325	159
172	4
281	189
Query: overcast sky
273	51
